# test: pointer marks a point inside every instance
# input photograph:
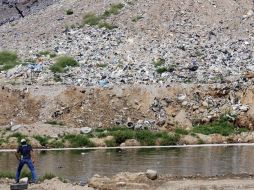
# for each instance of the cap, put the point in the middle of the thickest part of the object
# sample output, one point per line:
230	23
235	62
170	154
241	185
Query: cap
23	140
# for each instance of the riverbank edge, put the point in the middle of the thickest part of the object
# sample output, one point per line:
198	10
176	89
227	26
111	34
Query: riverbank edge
139	180
137	147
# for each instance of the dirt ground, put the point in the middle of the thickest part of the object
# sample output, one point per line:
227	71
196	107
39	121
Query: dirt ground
191	184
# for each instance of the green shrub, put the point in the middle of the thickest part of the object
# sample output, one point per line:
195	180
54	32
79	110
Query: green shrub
222	126
113	10
56	144
101	134
161	70
62	63
136	18
111	143
43	140
79	141
200	141
91	19
146	137
52	55
69	12
9	175
19	136
2	141
46	52
57	78
170	140
181	131
47	176
8	60
122	135
161	134
106	25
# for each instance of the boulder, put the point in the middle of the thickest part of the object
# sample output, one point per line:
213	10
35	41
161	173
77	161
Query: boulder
98	182
98	142
218	139
246	120
182	120
204	138
85	130
16	127
151	174
132	142
188	139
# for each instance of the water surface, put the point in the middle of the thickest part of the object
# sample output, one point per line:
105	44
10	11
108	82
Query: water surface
80	165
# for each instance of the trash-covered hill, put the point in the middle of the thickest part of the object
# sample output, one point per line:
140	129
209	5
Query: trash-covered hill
165	62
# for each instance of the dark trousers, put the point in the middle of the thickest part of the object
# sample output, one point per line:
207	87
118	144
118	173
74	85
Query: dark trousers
30	165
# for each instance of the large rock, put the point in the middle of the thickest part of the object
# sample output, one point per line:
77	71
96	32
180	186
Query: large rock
132	142
98	182
16	127
85	130
182	120
246	120
218	139
151	174
98	142
188	139
204	138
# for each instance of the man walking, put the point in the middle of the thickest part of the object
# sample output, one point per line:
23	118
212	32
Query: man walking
25	156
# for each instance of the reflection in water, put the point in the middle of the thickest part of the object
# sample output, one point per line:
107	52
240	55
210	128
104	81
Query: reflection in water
80	165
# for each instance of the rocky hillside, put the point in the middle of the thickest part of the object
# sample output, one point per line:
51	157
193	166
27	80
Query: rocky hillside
160	62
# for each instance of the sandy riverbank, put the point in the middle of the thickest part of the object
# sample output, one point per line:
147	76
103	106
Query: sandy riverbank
139	181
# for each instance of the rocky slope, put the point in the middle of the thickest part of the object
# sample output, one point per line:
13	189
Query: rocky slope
167	63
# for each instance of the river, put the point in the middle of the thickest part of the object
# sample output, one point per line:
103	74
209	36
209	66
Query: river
80	165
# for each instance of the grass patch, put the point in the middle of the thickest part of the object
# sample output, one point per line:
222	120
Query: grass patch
161	70
57	78
79	141
56	143
2	141
111	143
62	63
19	136
121	136
91	19
26	173
102	65
113	10
146	137
43	140
9	175
181	131
106	25
221	126
8	60
45	53
136	18
52	55
53	122
47	176
172	139
69	12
